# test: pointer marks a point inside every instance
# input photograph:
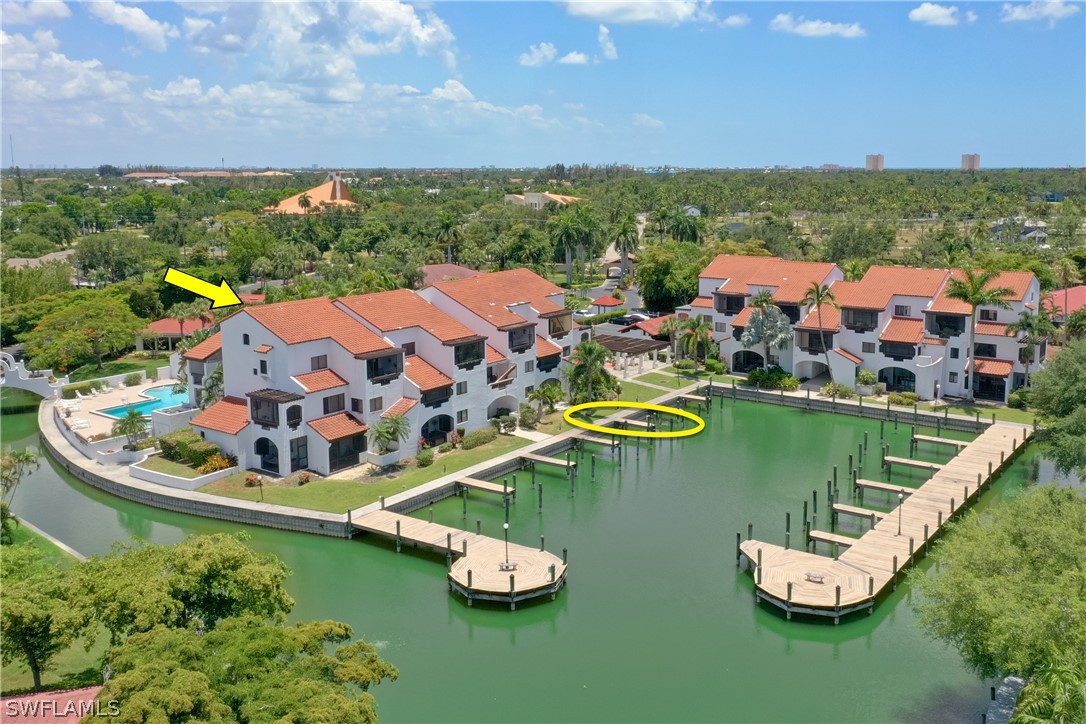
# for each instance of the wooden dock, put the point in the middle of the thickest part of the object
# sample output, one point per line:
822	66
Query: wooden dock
544	460
959	444
635	423
480	570
693	398
798	581
486	486
823	537
857	511
910	463
598	438
884	487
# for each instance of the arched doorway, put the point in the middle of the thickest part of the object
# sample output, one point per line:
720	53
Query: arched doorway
437	429
268	454
809	370
897	379
746	360
505	402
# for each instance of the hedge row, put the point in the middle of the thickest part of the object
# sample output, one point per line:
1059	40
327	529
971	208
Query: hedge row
475	438
601	318
186	446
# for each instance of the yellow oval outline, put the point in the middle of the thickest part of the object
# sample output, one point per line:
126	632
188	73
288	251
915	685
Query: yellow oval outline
568	417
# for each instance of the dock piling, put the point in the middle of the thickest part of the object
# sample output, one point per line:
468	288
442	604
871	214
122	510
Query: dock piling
738	551
540	542
925	540
895	573
399	540
565	555
912	561
540	498
788	602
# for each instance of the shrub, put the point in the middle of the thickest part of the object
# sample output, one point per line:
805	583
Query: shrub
456	436
788	383
601	318
303	478
880	390
685	364
842	391
907	399
184	445
507	424
775	379
133	379
866	377
475	438
425	458
216	462
1019	399
528	416
716	367
445	446
250	480
83	388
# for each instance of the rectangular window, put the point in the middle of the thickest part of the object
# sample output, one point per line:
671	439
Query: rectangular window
529	366
954	352
860	320
869	348
263	367
320	362
521	339
470	354
245	340
954	377
299	453
334	403
461	388
376	404
357	405
409	348
565	351
385	368
528	389
461	416
987	315
902	310
721	326
264	412
984	350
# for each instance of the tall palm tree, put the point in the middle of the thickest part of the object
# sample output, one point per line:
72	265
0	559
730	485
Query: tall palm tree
687	228
587	374
14	466
448	233
975	290
132	426
1067	274
305	203
661	221
768	325
817	296
563	230
263	268
854	269
182	312
624	237
1056	694
588	228
670	327
1035	329
389	431
696	333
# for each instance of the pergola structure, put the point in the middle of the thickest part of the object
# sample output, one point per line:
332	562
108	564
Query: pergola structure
627	349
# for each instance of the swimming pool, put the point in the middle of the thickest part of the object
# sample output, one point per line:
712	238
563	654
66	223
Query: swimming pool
163	397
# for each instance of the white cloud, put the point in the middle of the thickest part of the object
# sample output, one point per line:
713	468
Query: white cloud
453	90
38	76
574	58
934	14
607	44
664	12
1050	10
787	23
151	32
735	21
644	120
538	55
35	11
573	106
970	16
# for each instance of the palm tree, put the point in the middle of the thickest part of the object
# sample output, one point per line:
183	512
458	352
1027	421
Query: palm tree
661	221
263	268
816	296
670	327
1035	329
587	375
587	229
8	523
448	233
213	387
182	312
1056	694
13	467
624	237
1068	274
768	325
546	396
310	255
564	232
389	431
305	203
133	426
687	228
854	269
696	333
975	290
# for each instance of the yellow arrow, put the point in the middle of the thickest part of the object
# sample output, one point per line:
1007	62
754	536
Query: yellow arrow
221	295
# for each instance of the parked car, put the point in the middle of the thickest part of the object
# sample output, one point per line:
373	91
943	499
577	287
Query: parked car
583	314
625	320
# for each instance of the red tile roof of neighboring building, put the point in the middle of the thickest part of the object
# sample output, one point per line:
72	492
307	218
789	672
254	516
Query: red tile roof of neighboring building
903	330
490	295
263	348
171	327
308	320
905	281
1017	282
337	426
993	367
330	193
493	355
704	302
434	273
1073	298
857	295
229	415
848	355
650	327
252	298
831	319
403	308
319	381
545	347
743	317
400	408
788	279
424	375
938	341
202	351
607	301
992	329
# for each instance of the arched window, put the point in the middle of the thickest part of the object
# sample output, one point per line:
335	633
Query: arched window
294	416
245	340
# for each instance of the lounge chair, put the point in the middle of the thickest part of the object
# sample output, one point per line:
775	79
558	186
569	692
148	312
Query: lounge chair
78	423
106	388
80	395
121	386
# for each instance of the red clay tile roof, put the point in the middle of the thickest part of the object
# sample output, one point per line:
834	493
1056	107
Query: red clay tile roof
252	298
607	301
993	367
307	320
1017	282
545	347
1073	298
493	355
424	375
650	327
319	381
202	351
788	279
337	426
935	340
171	327
434	273
263	348
229	415
490	295
400	408
857	295
905	281
848	355
743	317
329	193
403	308
831	319
903	330
992	329
706	302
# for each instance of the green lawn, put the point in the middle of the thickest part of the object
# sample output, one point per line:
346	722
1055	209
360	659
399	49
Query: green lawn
703	376
336	496
55	556
659	378
1007	414
169	467
122	366
633	392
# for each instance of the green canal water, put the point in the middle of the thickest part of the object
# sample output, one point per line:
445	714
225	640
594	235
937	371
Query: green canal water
656	624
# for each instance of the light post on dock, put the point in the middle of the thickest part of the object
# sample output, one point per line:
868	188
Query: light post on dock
506	529
900	500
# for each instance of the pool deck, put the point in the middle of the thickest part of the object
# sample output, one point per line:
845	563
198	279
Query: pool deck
801	582
89	408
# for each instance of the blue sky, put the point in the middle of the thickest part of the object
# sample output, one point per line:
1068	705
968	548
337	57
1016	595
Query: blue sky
684	82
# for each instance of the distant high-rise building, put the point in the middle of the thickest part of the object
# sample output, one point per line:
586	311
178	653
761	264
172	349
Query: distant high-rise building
874	162
970	162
